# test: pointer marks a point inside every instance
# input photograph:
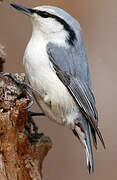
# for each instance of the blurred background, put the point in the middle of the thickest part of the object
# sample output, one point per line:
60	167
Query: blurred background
98	19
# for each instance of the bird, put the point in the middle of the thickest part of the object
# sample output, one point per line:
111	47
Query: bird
56	65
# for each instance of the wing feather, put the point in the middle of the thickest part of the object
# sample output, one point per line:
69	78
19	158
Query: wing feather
83	97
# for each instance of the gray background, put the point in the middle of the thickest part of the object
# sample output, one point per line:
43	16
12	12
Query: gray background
66	161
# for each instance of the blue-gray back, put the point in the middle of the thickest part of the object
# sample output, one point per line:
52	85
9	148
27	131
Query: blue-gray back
73	59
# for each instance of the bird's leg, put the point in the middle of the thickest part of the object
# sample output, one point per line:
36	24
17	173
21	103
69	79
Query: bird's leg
25	87
31	126
35	113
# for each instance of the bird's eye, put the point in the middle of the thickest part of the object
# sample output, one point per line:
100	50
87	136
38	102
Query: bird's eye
43	14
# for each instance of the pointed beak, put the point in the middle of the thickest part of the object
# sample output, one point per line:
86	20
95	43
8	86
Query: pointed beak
23	9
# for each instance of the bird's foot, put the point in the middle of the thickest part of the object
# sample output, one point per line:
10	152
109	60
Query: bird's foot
22	85
31	127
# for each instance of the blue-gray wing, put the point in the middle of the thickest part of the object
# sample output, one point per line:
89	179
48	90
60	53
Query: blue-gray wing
74	61
81	93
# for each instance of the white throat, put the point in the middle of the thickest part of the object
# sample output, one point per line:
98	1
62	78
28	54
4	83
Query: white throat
58	38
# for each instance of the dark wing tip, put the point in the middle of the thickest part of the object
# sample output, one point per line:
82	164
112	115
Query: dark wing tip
94	137
14	5
90	168
100	137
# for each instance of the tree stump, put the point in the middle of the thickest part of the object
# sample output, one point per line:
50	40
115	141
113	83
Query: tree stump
19	159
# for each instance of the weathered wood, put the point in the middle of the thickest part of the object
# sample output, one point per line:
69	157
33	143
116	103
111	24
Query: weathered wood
19	159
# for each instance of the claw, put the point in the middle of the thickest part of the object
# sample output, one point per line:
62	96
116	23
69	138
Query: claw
4	73
22	85
10	76
31	100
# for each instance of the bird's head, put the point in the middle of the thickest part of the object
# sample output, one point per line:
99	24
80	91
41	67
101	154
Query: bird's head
51	22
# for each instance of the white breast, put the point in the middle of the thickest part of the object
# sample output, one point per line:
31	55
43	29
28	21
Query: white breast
43	78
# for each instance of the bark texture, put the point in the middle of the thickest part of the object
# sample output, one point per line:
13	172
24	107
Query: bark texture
19	159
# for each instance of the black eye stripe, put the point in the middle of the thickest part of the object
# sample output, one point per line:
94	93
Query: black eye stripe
43	14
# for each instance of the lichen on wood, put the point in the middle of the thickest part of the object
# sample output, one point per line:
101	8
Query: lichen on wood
19	159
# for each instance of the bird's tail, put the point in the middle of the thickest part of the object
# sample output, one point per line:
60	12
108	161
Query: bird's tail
81	130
